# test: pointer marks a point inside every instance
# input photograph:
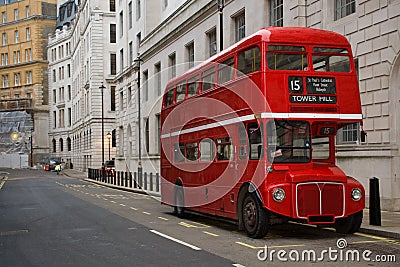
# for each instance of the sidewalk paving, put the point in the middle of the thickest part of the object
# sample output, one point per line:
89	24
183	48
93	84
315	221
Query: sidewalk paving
390	221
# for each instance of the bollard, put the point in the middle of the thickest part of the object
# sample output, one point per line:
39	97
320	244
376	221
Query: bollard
145	181
374	202
134	180
151	181
157	182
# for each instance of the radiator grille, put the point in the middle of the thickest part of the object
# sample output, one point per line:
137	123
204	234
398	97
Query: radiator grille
320	199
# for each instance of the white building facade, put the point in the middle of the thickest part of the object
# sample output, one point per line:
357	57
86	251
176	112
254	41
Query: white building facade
77	71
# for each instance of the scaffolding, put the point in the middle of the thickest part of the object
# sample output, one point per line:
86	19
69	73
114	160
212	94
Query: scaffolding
16	129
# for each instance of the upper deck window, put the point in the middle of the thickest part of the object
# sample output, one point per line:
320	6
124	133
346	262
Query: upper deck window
169	97
226	70
249	61
208	79
193	86
281	57
331	59
180	92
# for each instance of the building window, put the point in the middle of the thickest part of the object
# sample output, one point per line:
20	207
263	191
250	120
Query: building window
348	134
27	11
240	26
146	85
157	74
54	96
4	38
54	76
113	64
28	34
17	79
4	80
113	33
172	65
121	23
138	14
121	100
16	37
130	53
112	5
190	54
147	135
165	4
69	144
130	15
54	143
121	59
112	98
344	8
4	17
61	141
16	17
28	77
212	42
276	15
28	54
158	135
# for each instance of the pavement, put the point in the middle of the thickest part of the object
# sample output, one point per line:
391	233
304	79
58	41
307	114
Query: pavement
390	221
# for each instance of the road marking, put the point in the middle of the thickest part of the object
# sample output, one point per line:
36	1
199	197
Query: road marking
175	240
373	236
280	246
133	208
112	201
238	265
246	245
162	218
209	233
193	225
145	212
3	182
123	205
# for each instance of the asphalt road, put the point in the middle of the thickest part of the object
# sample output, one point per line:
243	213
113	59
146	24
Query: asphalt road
42	224
50	220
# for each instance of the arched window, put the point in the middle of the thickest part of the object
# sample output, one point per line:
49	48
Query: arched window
69	144
61	141
54	145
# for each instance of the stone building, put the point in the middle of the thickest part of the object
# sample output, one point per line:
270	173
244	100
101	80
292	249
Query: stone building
24	27
78	68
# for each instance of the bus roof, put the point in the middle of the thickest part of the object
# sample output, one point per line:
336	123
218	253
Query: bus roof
288	35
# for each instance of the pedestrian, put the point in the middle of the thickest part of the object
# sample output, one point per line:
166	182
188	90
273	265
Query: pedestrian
58	168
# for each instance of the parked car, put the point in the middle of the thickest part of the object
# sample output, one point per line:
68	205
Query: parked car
51	164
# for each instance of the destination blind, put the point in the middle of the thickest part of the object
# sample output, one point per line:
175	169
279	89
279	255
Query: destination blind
320	90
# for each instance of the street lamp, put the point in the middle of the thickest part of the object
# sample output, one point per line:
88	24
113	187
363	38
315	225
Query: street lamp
102	87
221	5
138	60
109	135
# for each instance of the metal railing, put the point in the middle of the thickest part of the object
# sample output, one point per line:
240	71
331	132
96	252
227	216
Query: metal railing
149	183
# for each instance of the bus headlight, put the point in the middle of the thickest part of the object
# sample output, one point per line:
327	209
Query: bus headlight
278	194
356	194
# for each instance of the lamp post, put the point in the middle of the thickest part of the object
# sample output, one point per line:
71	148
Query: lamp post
109	135
102	87
138	60
221	5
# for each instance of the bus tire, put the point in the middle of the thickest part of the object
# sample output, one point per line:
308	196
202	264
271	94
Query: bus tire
254	216
350	225
179	201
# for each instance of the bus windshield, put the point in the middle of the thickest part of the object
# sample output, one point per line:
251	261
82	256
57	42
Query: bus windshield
290	143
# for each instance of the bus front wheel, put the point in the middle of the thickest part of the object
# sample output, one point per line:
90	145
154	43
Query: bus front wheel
179	201
255	219
350	225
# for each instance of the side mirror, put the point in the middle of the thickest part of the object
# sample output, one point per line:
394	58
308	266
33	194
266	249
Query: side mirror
363	136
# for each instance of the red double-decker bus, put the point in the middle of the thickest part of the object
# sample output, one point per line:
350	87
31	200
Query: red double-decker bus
249	134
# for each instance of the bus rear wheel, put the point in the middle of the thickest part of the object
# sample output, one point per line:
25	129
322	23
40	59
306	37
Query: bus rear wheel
254	216
350	225
179	201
